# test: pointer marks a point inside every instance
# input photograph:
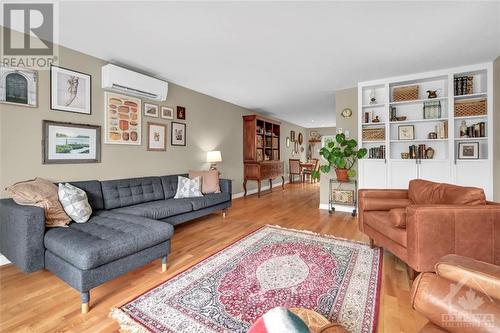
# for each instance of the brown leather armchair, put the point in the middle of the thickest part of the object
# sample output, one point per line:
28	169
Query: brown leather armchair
430	220
462	296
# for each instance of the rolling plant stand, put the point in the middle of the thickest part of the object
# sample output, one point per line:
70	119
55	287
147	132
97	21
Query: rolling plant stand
343	194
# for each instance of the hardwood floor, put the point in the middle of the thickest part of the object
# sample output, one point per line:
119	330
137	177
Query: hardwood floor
41	302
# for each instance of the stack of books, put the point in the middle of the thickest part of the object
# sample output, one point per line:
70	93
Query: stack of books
377	152
464	85
475	131
442	130
417	151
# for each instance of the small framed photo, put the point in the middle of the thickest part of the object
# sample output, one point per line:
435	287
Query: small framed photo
406	132
18	86
68	143
292	136
181	113
70	90
178	134
166	112
157	137
468	150
151	110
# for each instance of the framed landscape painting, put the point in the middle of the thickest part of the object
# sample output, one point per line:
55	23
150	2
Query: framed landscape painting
67	143
122	119
151	110
178	133
70	90
167	112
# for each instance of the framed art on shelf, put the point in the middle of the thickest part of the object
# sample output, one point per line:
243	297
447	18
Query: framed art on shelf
18	86
167	112
70	90
468	150
181	113
151	110
157	137
178	134
122	122
406	132
68	143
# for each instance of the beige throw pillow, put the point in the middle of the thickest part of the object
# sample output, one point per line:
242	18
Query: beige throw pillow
41	193
210	180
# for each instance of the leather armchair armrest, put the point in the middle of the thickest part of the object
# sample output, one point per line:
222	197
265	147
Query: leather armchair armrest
382	199
441	301
472	273
434	231
383	193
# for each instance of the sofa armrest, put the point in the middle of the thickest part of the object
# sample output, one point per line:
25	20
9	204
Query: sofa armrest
441	301
379	199
434	231
226	186
472	273
22	229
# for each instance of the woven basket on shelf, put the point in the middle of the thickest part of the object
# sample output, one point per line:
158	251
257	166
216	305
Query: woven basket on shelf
406	93
374	134
470	107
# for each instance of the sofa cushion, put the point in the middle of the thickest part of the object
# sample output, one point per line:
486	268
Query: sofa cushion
106	237
381	221
188	188
75	202
208	200
157	210
169	184
426	192
132	191
398	217
94	192
209	180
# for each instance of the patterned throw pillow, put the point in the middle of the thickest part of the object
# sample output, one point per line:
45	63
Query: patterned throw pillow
75	203
188	188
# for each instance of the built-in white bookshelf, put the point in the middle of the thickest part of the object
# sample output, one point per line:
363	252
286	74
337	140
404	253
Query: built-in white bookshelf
438	129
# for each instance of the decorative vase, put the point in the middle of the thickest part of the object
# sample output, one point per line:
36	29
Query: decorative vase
342	175
373	97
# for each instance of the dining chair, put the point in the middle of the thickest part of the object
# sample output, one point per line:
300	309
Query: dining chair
308	172
294	168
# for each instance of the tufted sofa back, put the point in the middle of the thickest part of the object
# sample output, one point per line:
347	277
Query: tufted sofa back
131	191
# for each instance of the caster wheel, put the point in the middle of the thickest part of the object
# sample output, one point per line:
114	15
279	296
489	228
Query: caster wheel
353	213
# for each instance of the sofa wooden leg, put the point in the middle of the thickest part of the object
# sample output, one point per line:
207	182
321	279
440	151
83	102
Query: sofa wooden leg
164	264
224	213
85	297
412	274
372	243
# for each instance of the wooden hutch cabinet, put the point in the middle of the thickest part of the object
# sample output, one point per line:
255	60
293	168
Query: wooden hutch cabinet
261	151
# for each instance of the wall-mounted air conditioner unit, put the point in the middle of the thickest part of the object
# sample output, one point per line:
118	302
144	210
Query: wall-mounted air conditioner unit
132	83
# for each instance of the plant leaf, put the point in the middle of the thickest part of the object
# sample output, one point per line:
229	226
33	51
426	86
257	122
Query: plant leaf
351	173
340	137
325	168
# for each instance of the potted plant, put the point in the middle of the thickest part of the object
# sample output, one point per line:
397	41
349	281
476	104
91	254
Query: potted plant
341	154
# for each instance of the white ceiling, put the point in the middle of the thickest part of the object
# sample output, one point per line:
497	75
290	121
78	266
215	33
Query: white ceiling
282	58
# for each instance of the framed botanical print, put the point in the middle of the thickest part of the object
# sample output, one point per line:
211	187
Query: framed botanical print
122	122
157	137
166	112
178	134
18	86
292	136
151	110
406	132
70	90
468	150
67	143
181	113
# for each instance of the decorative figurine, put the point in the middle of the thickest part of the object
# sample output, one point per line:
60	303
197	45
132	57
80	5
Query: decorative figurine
394	115
373	97
463	129
376	120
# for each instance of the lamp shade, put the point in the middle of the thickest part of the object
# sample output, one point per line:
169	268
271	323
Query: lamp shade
214	156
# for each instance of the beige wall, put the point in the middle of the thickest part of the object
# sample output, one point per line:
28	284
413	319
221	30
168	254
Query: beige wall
212	124
346	98
321	131
496	129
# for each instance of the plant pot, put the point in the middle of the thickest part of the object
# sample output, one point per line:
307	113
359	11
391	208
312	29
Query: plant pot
342	175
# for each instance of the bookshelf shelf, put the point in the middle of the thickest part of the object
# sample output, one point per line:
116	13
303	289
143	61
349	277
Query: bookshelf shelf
417	101
420	140
472	117
374	124
379	105
471	96
418	121
472	139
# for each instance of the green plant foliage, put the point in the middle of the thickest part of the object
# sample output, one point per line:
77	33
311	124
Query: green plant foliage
340	154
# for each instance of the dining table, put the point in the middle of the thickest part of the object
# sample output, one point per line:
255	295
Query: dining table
306	166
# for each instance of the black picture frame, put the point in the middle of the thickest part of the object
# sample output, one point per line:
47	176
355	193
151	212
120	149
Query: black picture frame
172	124
181	112
461	146
45	143
54	108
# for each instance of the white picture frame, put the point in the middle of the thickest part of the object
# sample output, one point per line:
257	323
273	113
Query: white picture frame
70	91
10	94
167	112
151	110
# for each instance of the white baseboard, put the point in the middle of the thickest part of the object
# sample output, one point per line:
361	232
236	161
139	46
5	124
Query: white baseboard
3	260
263	188
338	208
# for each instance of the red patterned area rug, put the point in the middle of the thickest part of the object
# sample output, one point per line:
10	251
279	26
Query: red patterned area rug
270	267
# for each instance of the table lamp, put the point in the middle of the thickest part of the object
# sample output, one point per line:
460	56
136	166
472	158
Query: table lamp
213	157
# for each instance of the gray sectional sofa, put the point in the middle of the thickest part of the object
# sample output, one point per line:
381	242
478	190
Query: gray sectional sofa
131	225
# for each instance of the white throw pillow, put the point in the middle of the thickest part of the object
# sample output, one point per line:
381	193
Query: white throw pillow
75	203
188	188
